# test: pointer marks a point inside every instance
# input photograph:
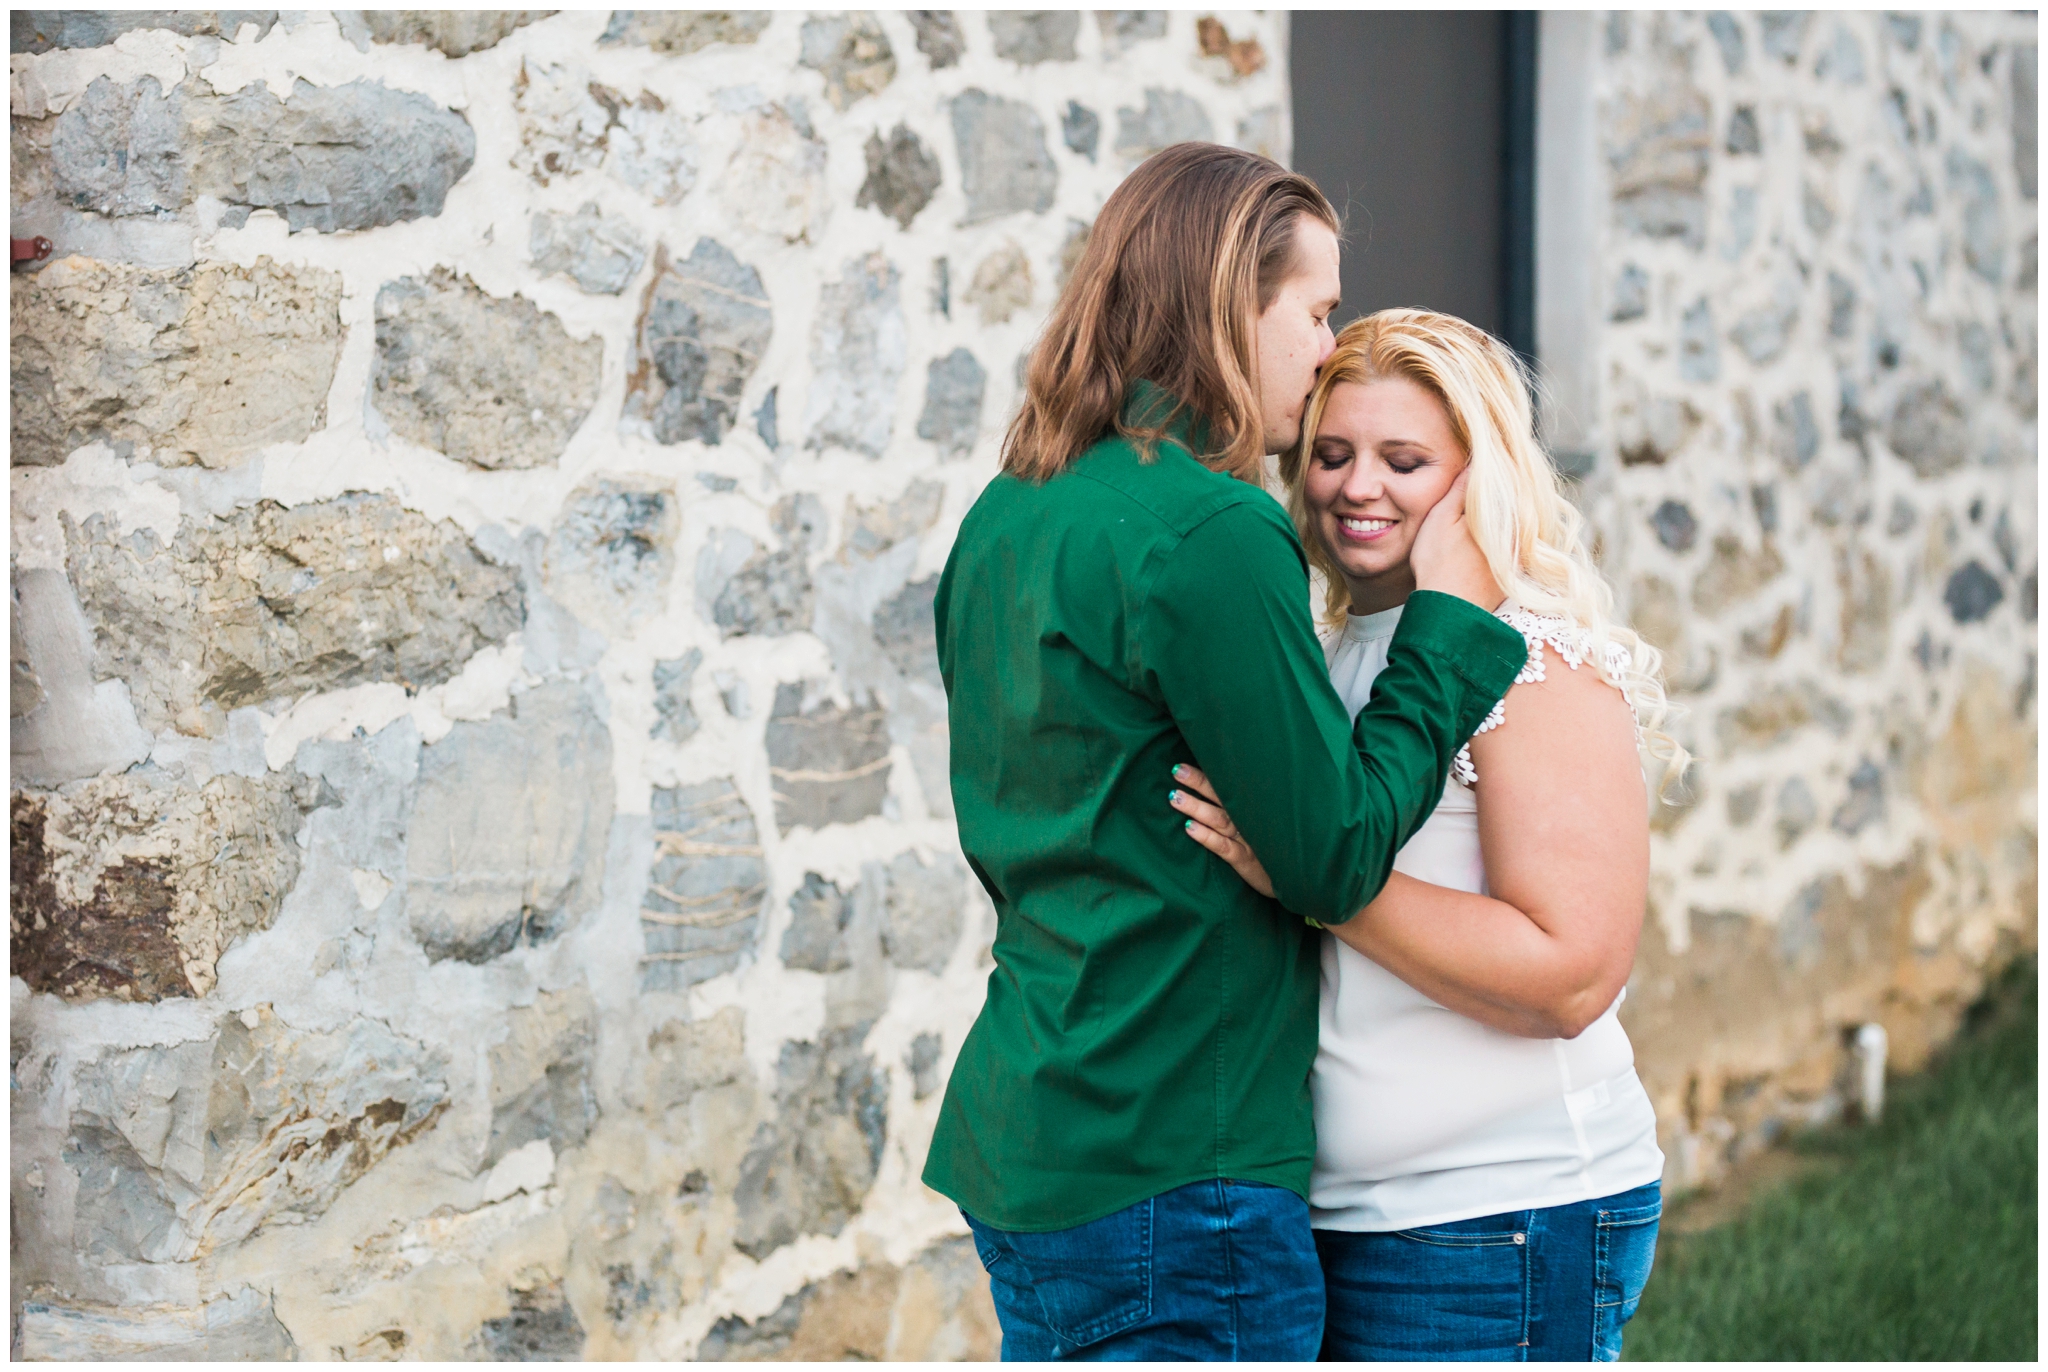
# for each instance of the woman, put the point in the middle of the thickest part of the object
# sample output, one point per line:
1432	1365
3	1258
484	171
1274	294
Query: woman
1485	1182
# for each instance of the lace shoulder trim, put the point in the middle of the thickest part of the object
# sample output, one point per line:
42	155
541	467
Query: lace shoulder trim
1571	641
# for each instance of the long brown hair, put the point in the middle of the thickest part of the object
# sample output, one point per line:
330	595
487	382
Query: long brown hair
1185	256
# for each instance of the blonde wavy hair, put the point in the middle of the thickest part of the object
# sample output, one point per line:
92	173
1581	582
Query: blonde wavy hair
1532	537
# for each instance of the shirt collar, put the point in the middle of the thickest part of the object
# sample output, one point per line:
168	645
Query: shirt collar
1148	405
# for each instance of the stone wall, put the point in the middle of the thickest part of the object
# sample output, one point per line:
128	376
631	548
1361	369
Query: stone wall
483	873
1812	469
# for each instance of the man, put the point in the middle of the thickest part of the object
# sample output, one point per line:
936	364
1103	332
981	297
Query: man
1128	1126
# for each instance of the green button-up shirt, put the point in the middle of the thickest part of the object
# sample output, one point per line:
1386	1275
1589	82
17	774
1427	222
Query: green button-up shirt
1151	1021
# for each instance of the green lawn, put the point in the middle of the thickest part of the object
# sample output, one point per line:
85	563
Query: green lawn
1912	1240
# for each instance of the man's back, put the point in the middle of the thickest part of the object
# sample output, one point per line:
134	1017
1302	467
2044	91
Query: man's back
1151	1020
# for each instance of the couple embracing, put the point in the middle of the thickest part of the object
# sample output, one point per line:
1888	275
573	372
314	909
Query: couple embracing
1301	1037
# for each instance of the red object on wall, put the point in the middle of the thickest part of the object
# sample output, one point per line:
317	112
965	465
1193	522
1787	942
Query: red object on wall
30	249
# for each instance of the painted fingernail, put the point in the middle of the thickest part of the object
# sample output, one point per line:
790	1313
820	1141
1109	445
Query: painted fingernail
1173	797
1176	768
1189	826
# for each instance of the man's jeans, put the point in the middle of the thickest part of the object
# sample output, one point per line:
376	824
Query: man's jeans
1215	1271
1553	1285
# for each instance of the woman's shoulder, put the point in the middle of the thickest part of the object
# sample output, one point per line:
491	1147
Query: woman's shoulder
1558	638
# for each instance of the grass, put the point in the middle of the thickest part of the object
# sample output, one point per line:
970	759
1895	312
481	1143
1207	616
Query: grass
1909	1241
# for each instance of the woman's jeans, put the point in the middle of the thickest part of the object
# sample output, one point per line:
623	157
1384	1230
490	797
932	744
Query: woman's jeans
1551	1285
1215	1271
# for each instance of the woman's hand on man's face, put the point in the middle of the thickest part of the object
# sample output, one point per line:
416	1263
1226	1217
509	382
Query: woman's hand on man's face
1445	557
1209	825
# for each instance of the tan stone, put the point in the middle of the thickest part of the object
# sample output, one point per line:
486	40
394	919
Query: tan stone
1866	587
1734	573
207	365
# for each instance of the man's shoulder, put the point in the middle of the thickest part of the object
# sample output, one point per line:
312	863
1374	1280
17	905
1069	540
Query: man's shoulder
1175	492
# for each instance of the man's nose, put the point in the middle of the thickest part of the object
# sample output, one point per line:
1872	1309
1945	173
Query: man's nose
1327	344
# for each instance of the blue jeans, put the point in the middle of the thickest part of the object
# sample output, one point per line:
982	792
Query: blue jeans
1215	1271
1551	1285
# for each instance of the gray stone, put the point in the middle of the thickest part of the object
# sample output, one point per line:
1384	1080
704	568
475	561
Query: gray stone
809	1168
901	176
207	364
922	1060
1658	147
39	31
1028	37
1842	60
923	912
1979	358
2026	62
1675	526
768	593
1865	804
1795	439
568	125
262	1124
1841	306
601	253
1169	117
1631	295
1764	333
681	32
611	553
67	726
702	911
1773	714
327	158
241	1327
858	351
452	33
1970	182
1972	592
542	1072
1081	129
874	529
1815	210
1616	37
541	1327
764	419
819	913
1650	432
2029	594
1742	222
1928	430
1001	285
271	601
953	391
851	52
1728	37
1905	30
506	844
132	885
702	331
939	37
1743	804
494	382
1260	132
1763	498
1004	165
1743	135
904	628
1699	350
1122	28
674	718
1796	811
830	763
1784	31
2006	540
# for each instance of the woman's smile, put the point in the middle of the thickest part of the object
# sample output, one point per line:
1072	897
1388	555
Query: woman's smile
1361	530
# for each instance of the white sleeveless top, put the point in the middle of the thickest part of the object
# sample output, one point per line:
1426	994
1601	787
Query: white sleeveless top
1422	1115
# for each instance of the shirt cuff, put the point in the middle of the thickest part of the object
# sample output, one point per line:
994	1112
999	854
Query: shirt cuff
1483	651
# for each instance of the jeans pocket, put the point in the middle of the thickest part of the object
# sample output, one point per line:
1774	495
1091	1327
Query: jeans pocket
1625	1247
1092	1280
